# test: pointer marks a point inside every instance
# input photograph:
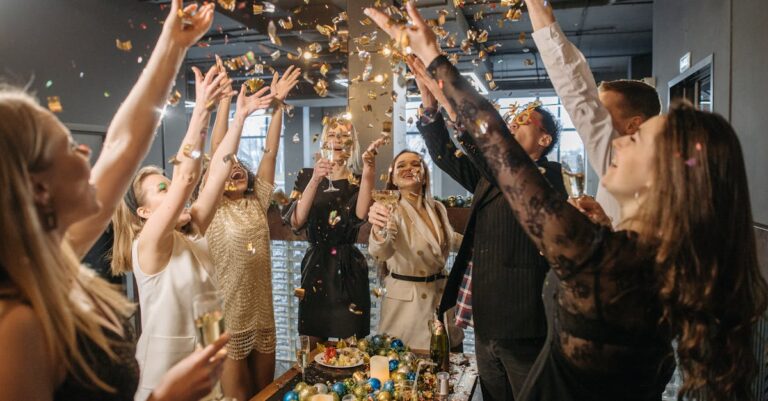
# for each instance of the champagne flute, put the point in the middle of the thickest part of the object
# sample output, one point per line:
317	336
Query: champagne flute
209	321
326	152
573	178
388	198
302	354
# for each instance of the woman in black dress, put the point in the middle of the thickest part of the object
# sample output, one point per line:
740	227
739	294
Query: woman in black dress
682	267
334	295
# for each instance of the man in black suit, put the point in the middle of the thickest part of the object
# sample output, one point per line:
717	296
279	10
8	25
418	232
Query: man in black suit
507	269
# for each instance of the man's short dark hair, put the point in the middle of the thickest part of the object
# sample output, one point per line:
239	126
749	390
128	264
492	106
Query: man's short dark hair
551	125
638	98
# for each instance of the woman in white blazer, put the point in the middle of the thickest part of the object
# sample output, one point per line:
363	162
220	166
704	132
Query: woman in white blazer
414	242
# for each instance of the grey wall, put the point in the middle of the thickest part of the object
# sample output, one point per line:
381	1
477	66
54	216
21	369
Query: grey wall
734	31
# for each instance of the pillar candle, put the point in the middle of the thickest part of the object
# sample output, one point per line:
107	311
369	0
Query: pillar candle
380	368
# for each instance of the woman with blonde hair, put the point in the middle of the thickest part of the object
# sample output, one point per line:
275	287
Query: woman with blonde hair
64	332
334	296
414	240
238	238
159	235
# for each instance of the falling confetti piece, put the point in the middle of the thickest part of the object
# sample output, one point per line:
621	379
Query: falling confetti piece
106	94
315	137
298	293
230	157
275	55
353	309
54	104
174	98
192	153
173	161
691	162
321	88
458	153
228	5
333	218
379	292
383	177
162	186
250	248
124	46
143	26
272	33
521	38
253	85
82	74
296	138
286	24
140	59
264	7
49	84
528	62
333	251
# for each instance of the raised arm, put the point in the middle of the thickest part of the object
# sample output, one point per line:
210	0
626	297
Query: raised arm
364	197
131	131
221	123
575	85
280	87
433	129
156	238
564	235
221	162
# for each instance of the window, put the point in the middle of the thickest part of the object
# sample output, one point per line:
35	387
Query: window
252	145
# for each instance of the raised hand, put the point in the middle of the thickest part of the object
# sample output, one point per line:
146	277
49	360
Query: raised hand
423	78
419	36
282	85
427	98
211	87
194	376
589	206
248	104
369	156
322	169
185	29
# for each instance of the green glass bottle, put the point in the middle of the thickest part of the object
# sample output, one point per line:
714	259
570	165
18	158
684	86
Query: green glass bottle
439	347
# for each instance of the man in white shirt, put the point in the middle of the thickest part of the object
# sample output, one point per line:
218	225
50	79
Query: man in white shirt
616	109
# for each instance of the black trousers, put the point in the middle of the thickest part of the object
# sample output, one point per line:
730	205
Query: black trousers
504	364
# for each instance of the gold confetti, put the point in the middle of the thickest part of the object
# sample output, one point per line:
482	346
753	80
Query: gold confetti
275	55
124	46
265	7
286	24
184	17
272	33
333	218
253	85
315	137
230	157
324	68
367	108
173	160
521	38
482	37
190	152
366	22
383	177
528	62
296	138
479	15
492	85
325	30
228	5
54	104
174	99
321	88
458	153
298	293
488	76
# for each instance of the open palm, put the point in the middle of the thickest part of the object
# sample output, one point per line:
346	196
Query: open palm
187	30
282	85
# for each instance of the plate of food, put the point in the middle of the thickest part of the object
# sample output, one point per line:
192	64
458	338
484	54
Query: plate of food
341	358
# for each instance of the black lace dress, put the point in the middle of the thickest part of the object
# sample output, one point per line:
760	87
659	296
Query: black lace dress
604	342
334	273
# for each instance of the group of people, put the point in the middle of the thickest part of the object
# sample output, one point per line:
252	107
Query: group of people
570	299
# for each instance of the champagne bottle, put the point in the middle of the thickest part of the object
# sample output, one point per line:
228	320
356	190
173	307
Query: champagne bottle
439	347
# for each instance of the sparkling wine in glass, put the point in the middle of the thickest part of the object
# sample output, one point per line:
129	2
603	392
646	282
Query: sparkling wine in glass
302	354
574	181
388	198
326	152
209	318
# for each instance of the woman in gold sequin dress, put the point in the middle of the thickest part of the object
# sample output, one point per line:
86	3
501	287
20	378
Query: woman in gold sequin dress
239	241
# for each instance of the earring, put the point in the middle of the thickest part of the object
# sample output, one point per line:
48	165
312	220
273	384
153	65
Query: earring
48	218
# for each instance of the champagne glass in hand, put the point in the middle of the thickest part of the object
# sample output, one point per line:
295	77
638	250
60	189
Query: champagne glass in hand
573	178
326	152
209	321
388	198
302	354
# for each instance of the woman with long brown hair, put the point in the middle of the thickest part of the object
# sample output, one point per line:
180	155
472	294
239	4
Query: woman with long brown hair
682	266
64	332
414	240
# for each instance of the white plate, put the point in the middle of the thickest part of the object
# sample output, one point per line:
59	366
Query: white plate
320	359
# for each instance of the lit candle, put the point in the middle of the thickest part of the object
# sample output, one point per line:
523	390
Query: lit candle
380	368
321	397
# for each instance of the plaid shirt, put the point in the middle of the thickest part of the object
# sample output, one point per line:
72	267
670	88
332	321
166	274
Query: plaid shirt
464	303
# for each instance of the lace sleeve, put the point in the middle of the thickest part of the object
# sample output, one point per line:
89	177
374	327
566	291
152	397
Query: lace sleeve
565	236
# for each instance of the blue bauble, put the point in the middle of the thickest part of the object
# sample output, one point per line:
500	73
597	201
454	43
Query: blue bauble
375	383
377	341
389	385
411	376
339	388
397	344
393	364
291	396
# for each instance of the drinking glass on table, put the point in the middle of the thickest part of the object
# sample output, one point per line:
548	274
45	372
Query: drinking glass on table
302	354
388	198
573	178
326	152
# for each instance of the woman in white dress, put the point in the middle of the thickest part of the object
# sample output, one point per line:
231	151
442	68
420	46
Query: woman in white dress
414	242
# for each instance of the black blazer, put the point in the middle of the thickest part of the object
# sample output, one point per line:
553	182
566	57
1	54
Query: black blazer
508	270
